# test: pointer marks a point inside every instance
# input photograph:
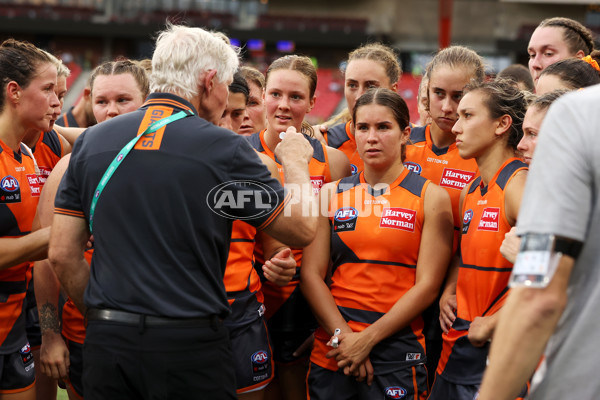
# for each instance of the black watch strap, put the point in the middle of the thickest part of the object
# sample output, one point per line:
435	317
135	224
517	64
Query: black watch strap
568	247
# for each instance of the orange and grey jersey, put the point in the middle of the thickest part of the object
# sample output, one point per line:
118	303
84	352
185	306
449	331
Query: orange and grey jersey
375	241
482	284
67	119
342	138
444	167
242	282
47	151
19	195
318	168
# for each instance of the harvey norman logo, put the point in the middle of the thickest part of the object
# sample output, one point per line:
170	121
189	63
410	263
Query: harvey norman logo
398	218
456	178
226	198
489	219
34	185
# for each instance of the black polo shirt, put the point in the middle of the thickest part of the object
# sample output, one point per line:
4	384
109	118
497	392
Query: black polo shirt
163	222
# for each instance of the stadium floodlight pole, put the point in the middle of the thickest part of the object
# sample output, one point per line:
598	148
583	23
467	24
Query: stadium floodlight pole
445	23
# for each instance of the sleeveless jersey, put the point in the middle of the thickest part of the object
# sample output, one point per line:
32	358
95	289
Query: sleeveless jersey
67	119
483	276
242	282
342	138
375	240
47	151
19	194
276	296
444	167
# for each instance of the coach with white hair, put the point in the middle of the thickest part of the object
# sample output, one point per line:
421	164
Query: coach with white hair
159	198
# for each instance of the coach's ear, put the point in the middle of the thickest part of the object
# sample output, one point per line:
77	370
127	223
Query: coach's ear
208	81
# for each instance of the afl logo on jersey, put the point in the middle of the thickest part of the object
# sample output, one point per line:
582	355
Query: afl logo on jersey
414	167
346	214
394	392
9	184
467	221
468	216
353	169
345	219
10	191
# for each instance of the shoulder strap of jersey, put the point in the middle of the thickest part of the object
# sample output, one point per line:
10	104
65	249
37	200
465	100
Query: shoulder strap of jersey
508	171
475	184
417	134
336	135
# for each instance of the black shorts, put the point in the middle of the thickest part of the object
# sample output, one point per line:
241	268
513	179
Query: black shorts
443	389
289	327
17	372
140	361
252	357
407	383
76	367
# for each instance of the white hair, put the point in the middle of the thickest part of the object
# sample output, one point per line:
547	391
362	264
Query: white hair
183	54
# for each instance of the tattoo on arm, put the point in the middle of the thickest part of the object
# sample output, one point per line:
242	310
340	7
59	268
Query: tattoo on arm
49	318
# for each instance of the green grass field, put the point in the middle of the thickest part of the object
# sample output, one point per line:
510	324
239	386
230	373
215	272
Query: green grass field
62	395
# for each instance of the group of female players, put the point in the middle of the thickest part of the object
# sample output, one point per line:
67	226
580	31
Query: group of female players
410	264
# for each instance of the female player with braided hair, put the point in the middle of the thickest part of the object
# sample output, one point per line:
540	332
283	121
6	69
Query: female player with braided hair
570	74
556	39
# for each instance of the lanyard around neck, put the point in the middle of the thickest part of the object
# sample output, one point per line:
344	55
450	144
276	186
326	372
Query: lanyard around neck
125	151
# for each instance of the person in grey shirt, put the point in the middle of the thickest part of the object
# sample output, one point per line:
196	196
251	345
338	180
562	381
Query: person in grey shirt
561	198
